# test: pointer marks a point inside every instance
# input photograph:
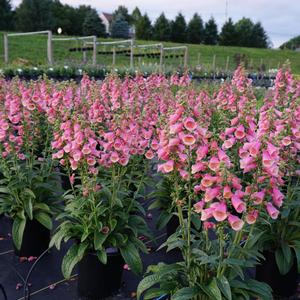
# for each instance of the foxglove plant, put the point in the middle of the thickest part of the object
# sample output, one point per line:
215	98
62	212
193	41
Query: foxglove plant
29	187
99	144
233	165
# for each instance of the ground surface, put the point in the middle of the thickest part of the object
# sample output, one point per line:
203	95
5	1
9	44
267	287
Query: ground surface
33	49
47	282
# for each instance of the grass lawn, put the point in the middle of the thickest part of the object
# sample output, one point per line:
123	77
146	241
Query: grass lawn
33	50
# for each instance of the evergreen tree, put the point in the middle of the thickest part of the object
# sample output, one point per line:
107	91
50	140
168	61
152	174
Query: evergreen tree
178	29
195	30
119	27
259	37
63	16
162	29
143	28
136	15
34	15
80	13
211	32
93	25
122	10
6	15
228	35
292	44
244	30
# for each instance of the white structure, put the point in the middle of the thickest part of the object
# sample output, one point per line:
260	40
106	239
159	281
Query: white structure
106	19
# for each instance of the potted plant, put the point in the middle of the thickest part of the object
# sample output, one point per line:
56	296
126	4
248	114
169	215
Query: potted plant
280	246
29	187
102	215
232	164
105	230
280	239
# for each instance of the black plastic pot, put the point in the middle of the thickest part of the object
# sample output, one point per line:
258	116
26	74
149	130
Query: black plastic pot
98	281
282	285
36	239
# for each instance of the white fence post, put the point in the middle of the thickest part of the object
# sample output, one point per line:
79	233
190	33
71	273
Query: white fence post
5	48
161	58
49	48
94	51
185	63
114	56
131	55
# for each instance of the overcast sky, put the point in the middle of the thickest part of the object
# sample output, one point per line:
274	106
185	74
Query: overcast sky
280	18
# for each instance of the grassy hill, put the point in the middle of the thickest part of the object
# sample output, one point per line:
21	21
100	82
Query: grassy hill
31	50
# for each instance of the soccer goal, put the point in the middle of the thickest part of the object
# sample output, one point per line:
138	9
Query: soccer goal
12	45
172	54
75	49
112	49
148	52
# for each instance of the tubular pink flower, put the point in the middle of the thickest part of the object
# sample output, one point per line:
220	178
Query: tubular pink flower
214	163
277	197
220	212
238	204
235	222
272	211
190	124
251	217
188	139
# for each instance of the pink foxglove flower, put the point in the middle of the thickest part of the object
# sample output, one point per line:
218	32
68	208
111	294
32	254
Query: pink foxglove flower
235	222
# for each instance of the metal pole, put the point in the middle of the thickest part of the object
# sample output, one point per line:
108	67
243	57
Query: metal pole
94	51
114	56
5	48
214	63
161	58
131	54
84	53
227	64
49	48
185	63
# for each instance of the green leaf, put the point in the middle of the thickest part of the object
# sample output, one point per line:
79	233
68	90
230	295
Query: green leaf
99	239
147	283
212	290
186	293
113	223
297	253
259	289
163	220
101	254
224	286
57	238
44	219
42	206
72	257
18	231
28	207
154	204
196	222
154	293
29	192
4	190
132	258
284	258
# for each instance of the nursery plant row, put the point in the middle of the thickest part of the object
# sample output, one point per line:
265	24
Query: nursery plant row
76	73
226	181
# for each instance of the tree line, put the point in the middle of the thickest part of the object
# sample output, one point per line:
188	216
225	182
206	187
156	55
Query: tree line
33	15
